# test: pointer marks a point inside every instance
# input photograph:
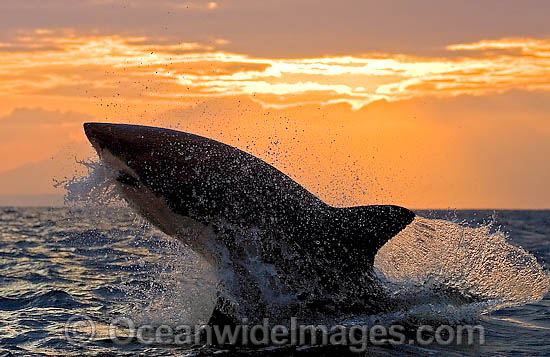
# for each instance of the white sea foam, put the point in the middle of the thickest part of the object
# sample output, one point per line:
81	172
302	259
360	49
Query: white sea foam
437	266
95	188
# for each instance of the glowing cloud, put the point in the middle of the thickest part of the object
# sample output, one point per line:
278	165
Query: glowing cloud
69	65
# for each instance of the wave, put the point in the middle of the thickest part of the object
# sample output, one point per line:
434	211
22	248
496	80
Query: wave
53	298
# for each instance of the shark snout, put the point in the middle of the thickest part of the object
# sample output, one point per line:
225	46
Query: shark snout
100	135
109	141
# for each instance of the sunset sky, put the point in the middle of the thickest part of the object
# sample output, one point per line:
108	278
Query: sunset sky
425	104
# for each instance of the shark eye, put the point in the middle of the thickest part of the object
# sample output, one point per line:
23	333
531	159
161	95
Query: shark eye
127	179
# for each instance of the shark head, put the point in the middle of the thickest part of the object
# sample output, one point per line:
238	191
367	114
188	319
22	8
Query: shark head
148	165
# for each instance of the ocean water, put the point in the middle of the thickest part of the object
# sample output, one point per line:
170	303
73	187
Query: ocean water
100	262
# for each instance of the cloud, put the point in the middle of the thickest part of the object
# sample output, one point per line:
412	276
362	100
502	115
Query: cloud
66	64
289	28
527	46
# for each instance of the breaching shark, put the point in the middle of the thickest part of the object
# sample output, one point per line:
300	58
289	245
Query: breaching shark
280	251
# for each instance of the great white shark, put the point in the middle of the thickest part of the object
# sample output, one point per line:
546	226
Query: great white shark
279	250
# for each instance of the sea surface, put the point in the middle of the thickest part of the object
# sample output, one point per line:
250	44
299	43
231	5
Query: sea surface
93	264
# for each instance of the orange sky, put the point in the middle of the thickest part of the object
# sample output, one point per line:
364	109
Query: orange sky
456	121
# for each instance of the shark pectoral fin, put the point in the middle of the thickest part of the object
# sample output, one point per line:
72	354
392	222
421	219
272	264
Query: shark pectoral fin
222	315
